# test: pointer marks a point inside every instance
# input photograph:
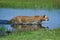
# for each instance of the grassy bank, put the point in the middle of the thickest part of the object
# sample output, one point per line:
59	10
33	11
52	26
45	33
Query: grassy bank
42	34
36	4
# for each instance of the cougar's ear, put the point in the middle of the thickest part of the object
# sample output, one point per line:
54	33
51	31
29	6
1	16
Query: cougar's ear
44	15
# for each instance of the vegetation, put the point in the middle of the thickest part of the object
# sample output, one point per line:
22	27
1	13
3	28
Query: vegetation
42	34
36	4
2	28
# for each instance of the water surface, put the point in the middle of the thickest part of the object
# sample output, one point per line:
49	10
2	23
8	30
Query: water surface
53	14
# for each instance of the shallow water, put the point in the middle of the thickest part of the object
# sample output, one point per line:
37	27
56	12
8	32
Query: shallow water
53	14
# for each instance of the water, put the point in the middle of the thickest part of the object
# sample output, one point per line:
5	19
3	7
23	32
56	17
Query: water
53	14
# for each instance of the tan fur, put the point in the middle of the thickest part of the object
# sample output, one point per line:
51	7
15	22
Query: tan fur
27	19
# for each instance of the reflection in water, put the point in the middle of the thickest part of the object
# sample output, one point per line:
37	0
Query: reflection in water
27	27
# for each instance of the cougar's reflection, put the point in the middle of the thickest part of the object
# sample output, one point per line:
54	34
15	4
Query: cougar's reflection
28	27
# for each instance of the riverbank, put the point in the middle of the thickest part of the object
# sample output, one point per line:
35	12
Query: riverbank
42	34
32	4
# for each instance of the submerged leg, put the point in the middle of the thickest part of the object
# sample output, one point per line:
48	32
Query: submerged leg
40	26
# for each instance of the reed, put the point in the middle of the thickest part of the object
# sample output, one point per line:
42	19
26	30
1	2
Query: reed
32	4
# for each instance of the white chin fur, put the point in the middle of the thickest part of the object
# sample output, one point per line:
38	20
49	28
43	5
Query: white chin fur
46	19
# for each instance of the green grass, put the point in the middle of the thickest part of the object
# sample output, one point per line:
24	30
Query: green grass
42	34
33	4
